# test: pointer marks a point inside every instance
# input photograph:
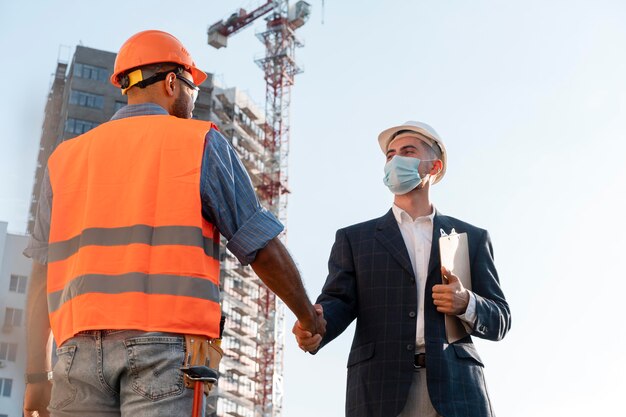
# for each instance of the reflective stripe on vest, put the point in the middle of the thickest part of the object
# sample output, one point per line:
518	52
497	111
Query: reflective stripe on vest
129	248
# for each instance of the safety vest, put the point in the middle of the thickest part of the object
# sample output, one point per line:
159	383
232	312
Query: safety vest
128	246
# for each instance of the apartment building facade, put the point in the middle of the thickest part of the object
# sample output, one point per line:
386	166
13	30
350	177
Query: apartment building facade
14	274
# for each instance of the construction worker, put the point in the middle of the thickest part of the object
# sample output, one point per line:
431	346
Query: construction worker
126	246
386	273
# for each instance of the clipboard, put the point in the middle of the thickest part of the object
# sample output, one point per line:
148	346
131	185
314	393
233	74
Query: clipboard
454	256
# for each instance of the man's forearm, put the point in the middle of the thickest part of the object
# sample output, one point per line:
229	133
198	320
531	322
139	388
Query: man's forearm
277	270
37	321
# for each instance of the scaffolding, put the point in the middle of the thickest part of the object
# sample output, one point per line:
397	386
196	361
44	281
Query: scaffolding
49	136
265	154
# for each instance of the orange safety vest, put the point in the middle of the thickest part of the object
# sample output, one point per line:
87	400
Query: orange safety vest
128	247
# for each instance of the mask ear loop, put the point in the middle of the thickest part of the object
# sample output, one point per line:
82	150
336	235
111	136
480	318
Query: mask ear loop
426	178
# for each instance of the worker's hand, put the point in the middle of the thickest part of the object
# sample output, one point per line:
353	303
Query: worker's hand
451	298
308	340
314	323
36	399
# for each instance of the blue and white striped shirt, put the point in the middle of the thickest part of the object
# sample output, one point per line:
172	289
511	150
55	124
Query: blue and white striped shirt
228	198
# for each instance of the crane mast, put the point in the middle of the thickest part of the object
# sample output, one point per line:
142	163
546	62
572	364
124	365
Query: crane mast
279	68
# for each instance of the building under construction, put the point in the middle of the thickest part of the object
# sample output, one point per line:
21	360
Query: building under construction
81	98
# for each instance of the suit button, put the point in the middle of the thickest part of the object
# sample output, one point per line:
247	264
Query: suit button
410	347
412	314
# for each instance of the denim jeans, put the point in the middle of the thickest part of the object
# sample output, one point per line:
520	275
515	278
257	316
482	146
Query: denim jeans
125	373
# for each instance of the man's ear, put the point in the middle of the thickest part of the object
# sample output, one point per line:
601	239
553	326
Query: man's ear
437	167
170	85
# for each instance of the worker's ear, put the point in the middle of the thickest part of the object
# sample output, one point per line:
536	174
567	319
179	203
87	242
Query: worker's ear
170	85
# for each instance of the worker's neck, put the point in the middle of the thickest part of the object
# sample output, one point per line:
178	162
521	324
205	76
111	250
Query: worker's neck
144	99
416	203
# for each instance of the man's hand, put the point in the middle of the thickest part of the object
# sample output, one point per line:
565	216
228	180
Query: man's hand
307	338
36	399
451	298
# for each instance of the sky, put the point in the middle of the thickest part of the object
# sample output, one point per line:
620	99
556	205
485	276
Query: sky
530	100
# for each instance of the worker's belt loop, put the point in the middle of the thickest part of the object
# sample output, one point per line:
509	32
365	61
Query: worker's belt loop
202	351
420	361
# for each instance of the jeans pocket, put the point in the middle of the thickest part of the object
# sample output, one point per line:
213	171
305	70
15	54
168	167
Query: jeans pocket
63	393
155	363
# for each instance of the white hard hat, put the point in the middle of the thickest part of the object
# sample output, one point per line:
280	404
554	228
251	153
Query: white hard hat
426	133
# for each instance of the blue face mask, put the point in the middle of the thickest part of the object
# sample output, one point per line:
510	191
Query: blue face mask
401	174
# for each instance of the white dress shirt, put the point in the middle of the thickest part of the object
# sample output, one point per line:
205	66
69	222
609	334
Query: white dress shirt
418	234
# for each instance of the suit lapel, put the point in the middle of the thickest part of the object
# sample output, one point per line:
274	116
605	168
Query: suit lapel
388	234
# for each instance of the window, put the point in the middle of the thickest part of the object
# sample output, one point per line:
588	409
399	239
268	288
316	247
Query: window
91	72
8	351
18	283
13	317
82	98
79	126
5	387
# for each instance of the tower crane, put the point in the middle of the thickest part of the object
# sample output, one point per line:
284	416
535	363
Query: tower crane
279	68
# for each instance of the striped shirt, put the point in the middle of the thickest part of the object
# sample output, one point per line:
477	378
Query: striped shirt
227	194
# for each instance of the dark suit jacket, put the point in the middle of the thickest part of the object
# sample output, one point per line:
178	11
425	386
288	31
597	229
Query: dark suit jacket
371	280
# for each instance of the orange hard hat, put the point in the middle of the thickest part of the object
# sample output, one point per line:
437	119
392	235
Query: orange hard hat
153	47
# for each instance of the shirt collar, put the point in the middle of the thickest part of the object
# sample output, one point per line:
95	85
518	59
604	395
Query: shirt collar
142	109
402	216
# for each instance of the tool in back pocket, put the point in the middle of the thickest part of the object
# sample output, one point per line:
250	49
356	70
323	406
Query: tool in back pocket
202	352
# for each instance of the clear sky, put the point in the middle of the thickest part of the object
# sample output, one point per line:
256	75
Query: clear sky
530	99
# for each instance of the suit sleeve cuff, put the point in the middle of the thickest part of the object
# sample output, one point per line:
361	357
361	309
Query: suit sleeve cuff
469	317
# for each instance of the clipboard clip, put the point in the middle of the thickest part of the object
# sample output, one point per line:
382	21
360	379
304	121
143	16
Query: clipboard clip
443	233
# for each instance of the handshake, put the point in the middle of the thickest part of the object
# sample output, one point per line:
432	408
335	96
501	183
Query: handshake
309	334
